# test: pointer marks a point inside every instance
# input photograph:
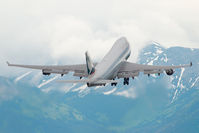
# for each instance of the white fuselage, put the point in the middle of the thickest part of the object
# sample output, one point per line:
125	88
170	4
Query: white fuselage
110	64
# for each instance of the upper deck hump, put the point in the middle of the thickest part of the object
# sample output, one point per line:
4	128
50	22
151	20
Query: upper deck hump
117	53
121	43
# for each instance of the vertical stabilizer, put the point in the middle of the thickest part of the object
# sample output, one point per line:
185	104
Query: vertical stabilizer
89	64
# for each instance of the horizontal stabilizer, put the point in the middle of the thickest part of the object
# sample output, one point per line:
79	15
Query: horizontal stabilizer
87	81
73	81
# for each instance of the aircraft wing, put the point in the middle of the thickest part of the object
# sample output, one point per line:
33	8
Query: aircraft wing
129	69
79	70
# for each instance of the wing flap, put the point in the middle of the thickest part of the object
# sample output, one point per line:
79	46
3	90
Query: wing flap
133	67
79	69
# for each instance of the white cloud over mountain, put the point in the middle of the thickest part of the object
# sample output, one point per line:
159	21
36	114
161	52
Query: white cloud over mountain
36	31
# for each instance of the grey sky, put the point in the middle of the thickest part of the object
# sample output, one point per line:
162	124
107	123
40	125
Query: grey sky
34	31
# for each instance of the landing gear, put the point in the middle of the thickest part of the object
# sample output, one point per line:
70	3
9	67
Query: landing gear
126	81
113	84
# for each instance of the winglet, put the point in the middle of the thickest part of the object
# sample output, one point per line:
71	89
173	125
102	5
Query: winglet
8	63
191	64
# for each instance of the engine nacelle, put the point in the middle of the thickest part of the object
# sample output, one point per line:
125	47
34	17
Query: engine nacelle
95	84
46	72
49	71
170	72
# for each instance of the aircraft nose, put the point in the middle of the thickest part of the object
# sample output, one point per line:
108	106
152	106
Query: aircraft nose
122	39
122	42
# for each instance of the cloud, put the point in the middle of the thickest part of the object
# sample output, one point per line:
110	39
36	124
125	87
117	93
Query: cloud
72	36
129	93
80	89
45	32
7	93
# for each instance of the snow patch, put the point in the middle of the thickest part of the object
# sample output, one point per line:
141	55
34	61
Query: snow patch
153	75
151	62
171	86
174	97
47	82
109	92
147	53
98	87
195	82
80	89
156	43
22	76
165	59
130	93
181	86
159	51
66	90
83	91
182	71
190	80
46	90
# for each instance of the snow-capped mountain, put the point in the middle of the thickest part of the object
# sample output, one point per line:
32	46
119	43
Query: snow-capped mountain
183	79
152	54
31	102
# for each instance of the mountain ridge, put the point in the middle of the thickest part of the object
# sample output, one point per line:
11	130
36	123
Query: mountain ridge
34	103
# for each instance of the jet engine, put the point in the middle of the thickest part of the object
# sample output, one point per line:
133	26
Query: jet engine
95	84
49	71
46	72
169	72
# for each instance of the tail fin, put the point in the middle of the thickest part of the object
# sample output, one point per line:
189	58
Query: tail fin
89	64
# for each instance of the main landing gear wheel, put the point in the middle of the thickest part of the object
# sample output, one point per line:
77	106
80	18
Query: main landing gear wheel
113	84
126	81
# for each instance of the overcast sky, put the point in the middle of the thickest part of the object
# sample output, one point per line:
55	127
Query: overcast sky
35	31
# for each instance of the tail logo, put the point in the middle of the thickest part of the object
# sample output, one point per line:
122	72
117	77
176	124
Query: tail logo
89	64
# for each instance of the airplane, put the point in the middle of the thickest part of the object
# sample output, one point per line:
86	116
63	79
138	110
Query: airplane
113	65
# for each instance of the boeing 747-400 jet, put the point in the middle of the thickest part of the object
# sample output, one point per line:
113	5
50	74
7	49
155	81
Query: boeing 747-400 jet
113	65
